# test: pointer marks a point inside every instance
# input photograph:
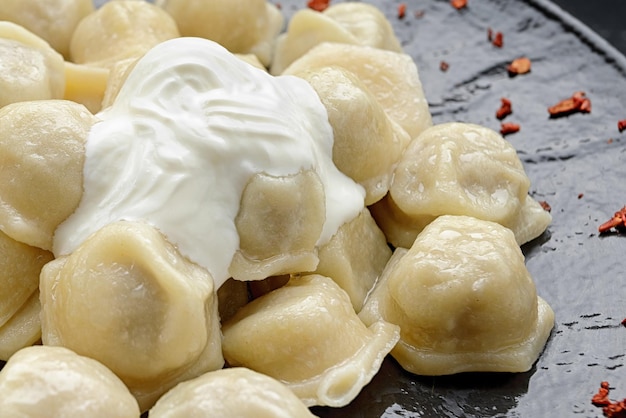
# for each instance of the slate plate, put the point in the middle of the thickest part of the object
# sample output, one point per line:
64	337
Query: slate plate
576	164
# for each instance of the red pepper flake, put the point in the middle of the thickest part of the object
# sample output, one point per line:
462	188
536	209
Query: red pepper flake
443	66
519	65
618	221
577	103
419	14
498	40
610	409
508	128
621	125
278	6
580	196
623	322
505	109
458	4
318	5
401	10
609	141
545	205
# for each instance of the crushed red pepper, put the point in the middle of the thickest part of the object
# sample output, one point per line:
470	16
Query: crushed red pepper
580	195
401	10
621	125
610	409
505	109
618	221
508	128
519	65
498	40
419	14
443	66
458	4
545	205
579	102
318	5
623	322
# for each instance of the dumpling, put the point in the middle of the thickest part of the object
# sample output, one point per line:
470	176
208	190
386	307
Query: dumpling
279	222
30	68
460	169
392	77
307	335
463	299
86	85
52	20
120	30
127	298
54	382
367	143
241	26
348	23
23	329
235	392
354	257
42	151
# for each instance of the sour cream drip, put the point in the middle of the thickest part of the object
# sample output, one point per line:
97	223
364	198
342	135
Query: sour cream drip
189	128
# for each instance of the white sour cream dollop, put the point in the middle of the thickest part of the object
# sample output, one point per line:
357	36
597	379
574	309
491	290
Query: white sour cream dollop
190	126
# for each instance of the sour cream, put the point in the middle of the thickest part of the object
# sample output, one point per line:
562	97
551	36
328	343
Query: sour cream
190	126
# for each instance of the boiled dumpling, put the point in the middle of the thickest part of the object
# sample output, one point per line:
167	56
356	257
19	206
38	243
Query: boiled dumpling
120	30
463	299
367	143
54	382
241	26
52	20
23	329
41	154
279	222
354	257
86	85
29	68
348	23
127	298
459	169
307	335
392	77
235	392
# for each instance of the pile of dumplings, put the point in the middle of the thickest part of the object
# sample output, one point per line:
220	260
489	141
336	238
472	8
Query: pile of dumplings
383	235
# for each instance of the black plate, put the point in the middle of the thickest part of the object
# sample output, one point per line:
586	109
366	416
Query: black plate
576	164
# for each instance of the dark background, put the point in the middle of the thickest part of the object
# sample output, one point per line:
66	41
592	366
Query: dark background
606	17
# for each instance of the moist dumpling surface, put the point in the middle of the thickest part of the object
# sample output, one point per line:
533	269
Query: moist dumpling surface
463	299
307	335
44	382
233	392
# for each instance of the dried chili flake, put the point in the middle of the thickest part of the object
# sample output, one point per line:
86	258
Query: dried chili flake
509	128
519	65
623	322
610	409
401	10
278	6
443	66
458	4
498	40
419	14
621	125
577	103
545	205
580	196
318	5
601	398
505	109
618	221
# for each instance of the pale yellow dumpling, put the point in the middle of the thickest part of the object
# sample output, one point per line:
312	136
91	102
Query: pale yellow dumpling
86	85
120	30
279	223
23	329
307	335
354	257
54	382
463	299
127	298
235	392
348	23
392	77
241	26
30	69
42	150
367	143
460	169
52	20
